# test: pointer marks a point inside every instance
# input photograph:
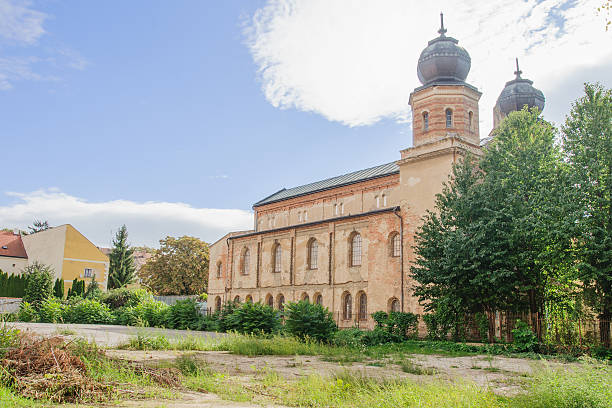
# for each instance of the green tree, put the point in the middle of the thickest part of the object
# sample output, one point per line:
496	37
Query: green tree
122	268
93	290
58	288
38	226
178	267
587	141
39	284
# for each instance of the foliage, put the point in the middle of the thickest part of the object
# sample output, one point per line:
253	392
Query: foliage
77	289
89	311
8	337
27	313
122	270
523	338
38	226
398	325
223	323
12	286
309	320
184	314
58	288
93	290
121	297
482	322
39	284
348	338
587	139
252	317
178	267
51	310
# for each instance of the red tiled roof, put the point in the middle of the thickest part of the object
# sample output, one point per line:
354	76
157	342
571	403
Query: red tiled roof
11	245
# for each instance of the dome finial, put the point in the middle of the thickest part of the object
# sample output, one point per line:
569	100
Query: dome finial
442	30
518	72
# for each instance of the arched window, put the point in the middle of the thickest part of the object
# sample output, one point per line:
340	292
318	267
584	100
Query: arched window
246	261
347	306
425	121
318	299
219	269
280	301
377	202
218	303
355	246
305	215
384	200
470	118
248	299
270	300
363	306
305	297
299	216
276	259
313	253
237	299
449	118
394	305
335	209
341	208
396	245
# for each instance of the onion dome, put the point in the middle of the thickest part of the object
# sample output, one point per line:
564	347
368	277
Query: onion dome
443	60
518	93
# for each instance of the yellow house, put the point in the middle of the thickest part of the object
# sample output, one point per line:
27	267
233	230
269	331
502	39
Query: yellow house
70	254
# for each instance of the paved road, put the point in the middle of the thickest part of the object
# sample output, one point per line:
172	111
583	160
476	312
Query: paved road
106	335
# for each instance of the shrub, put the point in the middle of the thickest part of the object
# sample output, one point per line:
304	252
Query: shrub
523	338
93	290
482	322
122	297
52	311
253	318
153	312
348	338
184	314
39	284
437	326
311	320
27	313
398	325
222	322
77	289
379	336
89	311
58	288
128	316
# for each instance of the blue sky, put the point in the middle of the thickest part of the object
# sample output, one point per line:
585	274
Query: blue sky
114	109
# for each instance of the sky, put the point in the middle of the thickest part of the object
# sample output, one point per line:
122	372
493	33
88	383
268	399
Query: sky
175	117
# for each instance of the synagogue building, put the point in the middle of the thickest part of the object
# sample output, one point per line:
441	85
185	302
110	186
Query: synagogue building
346	242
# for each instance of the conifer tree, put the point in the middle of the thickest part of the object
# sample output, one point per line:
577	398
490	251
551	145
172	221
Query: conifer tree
122	268
58	288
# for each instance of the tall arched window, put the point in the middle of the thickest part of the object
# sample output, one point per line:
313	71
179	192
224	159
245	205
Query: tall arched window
449	118
384	200
347	306
396	245
313	253
394	305
281	302
470	118
341	208
246	261
377	202
318	299
248	299
355	254
305	297
270	300
363	306
218	303
336	209
425	121
277	258
219	269
305	215
237	299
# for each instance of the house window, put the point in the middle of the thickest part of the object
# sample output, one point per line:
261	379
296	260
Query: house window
425	121
313	253
218	303
318	299
355	254
277	258
394	305
219	269
449	118
363	306
270	300
470	117
88	273
246	260
281	302
347	306
396	245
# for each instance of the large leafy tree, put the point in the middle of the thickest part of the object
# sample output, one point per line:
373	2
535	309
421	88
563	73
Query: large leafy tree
122	270
178	267
587	140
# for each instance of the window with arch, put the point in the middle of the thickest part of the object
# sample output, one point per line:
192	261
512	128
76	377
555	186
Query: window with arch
425	121
218	303
219	269
335	209
237	299
377	202
341	208
396	245
270	300
355	249
347	306
313	253
318	299
362	298
246	261
394	305
277	258
384	196
305	215
299	216
449	118
281	302
305	297
470	118
248	299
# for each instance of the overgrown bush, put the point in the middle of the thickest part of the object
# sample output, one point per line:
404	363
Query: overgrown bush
222	322
398	325
437	326
523	338
122	297
153	312
304	319
184	314
89	311
12	286
27	313
253	318
58	288
482	322
77	289
379	336
52	310
348	338
39	284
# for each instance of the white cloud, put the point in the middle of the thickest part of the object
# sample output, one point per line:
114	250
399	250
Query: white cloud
19	23
147	222
354	61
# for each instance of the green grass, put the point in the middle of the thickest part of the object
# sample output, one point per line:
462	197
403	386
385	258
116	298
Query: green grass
9	400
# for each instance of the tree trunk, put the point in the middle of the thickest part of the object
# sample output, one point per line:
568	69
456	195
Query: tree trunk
604	327
491	321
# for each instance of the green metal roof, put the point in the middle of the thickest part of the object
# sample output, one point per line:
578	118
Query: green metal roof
334	182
